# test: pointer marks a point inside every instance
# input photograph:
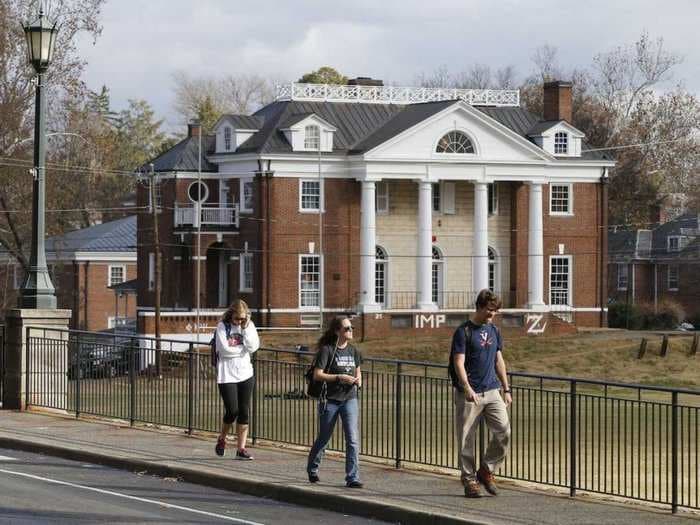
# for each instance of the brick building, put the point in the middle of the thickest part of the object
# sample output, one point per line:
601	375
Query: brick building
84	266
425	196
654	265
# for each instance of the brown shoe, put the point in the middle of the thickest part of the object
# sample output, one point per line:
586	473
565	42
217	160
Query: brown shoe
472	489
488	480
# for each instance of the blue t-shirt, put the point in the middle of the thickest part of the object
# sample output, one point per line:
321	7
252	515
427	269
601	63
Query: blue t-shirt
480	360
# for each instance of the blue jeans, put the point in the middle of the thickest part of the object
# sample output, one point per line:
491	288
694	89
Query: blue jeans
349	412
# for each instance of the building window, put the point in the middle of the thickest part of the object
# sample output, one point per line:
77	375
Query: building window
454	142
380	276
381	198
116	274
622	276
312	137
436	196
310	195
198	191
560	280
561	143
493	199
155	194
309	281
151	271
673	279
676	243
247	193
246	272
560	199
492	269
437	273
227	138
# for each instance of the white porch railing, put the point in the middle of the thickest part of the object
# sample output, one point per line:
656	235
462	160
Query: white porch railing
395	95
207	216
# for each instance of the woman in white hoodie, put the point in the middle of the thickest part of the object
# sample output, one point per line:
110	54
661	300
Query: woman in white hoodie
236	340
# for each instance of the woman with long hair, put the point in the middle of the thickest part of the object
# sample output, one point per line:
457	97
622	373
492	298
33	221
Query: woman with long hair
338	365
236	340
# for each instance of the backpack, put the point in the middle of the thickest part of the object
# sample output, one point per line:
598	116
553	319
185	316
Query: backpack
212	345
452	372
317	389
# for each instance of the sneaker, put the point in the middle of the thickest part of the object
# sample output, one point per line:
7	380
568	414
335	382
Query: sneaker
488	480
472	489
220	446
354	484
313	478
242	453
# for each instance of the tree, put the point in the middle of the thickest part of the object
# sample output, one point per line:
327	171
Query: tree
324	75
478	76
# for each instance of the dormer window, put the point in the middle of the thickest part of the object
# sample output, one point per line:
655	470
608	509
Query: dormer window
312	137
454	142
227	138
561	143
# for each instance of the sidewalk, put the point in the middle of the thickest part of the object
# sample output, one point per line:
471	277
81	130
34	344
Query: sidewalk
390	494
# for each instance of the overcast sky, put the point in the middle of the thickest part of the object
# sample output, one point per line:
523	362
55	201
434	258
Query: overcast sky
143	43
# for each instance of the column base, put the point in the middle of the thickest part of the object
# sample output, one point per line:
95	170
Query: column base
538	307
369	308
427	307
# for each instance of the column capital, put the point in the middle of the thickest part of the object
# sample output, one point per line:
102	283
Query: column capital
536	182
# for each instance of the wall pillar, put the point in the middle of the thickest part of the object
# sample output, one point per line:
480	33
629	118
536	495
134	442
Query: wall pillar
424	267
368	246
480	246
535	250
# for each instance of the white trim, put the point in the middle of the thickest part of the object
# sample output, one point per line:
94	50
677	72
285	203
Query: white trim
312	308
241	272
321	186
109	274
206	193
241	194
570	278
668	243
378	210
435	154
570	187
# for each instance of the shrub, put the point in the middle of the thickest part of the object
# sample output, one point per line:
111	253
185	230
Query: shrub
669	314
623	315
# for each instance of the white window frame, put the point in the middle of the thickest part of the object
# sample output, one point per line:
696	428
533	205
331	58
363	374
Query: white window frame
493	198
312	142
561	147
111	322
241	194
570	280
570	200
320	266
381	198
151	271
157	190
668	278
437	265
109	274
620	267
246	259
321	199
384	263
228	138
676	238
494	264
436	193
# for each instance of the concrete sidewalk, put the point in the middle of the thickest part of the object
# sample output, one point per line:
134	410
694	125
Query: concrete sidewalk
392	495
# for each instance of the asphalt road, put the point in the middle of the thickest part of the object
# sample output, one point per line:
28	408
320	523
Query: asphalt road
43	489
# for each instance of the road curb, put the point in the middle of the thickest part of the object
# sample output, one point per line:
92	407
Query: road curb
354	505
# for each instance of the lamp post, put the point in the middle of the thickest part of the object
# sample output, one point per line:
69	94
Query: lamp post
37	290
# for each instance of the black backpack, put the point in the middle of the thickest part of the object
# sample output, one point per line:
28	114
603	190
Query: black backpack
317	389
212	345
451	365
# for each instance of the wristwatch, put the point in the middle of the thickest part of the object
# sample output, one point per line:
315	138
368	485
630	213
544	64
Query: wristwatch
506	391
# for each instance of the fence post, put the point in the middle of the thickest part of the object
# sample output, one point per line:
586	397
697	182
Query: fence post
397	415
674	452
254	401
664	345
190	389
694	345
642	348
572	440
27	371
132	383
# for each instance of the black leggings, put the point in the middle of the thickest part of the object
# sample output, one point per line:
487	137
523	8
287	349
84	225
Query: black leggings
236	397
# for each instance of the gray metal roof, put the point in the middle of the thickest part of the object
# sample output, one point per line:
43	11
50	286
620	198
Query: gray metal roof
653	243
245	121
184	156
114	236
541	127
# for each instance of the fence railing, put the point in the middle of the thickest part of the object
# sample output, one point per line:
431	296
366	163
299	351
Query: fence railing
633	441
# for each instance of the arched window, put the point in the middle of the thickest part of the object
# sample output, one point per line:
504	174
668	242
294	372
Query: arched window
380	276
227	138
437	275
312	137
455	142
561	143
493	270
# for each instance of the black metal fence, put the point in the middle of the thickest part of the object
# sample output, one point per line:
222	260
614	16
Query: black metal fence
634	441
2	361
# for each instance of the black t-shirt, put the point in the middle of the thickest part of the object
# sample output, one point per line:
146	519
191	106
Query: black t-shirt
345	362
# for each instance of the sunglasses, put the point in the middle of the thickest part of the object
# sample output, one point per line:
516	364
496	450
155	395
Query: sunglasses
347	328
241	319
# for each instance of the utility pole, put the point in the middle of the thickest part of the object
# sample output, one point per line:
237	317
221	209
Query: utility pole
158	272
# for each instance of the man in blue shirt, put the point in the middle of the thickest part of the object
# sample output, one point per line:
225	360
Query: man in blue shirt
478	373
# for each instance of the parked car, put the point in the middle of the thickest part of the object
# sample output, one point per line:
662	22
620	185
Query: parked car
97	360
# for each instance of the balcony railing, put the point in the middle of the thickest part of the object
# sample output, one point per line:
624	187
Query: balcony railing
206	216
448	300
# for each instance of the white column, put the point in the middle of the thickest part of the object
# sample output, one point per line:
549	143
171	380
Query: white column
424	267
368	244
480	246
535	250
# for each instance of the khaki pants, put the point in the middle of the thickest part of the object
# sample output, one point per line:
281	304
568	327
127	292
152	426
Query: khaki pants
467	416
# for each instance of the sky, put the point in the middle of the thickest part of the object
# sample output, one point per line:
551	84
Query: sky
144	43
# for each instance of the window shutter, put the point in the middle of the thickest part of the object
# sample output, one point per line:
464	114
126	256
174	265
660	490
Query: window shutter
448	197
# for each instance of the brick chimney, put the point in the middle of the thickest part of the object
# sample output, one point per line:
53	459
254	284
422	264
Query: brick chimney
557	100
365	81
194	129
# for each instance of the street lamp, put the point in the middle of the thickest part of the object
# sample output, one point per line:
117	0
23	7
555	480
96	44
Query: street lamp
38	291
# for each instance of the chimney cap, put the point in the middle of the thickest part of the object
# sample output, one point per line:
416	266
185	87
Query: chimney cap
558	84
194	128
